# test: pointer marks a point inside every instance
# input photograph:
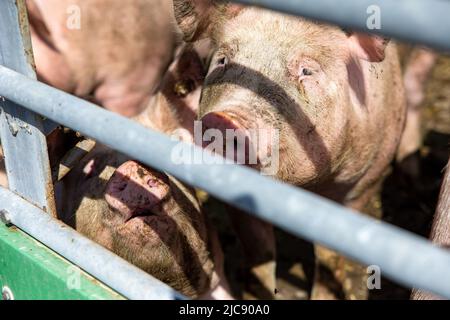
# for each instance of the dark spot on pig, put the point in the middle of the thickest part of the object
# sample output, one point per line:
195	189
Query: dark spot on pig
141	172
311	129
307	72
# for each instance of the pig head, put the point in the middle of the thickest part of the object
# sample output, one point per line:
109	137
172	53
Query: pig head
145	216
334	97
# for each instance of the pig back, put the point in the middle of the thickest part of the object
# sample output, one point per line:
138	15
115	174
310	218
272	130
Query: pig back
111	52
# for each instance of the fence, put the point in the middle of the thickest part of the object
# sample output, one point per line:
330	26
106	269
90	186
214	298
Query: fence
29	204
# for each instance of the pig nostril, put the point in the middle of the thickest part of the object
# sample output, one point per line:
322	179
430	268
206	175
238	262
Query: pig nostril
221	121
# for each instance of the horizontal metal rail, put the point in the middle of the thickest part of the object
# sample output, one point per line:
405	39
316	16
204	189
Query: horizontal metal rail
418	21
118	274
401	255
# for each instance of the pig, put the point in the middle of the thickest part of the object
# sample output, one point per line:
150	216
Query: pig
418	68
113	53
148	217
334	96
440	231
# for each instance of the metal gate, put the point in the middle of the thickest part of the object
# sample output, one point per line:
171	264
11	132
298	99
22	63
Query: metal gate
39	255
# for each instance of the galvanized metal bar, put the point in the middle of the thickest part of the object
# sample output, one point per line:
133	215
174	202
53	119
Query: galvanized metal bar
99	262
401	255
418	21
23	140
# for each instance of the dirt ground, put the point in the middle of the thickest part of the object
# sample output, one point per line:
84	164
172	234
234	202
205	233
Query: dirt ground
405	202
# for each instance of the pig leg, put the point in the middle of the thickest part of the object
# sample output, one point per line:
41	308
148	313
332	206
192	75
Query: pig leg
417	72
440	232
258	242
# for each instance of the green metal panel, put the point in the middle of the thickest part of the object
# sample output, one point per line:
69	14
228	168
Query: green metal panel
32	271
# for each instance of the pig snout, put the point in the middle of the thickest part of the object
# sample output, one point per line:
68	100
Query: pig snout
134	190
253	143
236	139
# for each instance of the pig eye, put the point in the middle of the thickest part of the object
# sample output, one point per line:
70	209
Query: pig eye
303	68
306	72
222	61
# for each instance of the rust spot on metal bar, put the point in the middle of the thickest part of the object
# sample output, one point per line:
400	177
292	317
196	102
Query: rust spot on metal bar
25	32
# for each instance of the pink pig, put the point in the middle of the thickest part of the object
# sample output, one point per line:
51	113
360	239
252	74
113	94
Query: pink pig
335	97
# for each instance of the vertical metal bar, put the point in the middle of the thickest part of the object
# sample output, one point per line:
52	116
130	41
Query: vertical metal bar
23	141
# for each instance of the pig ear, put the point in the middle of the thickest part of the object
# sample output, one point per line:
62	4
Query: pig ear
193	17
368	47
